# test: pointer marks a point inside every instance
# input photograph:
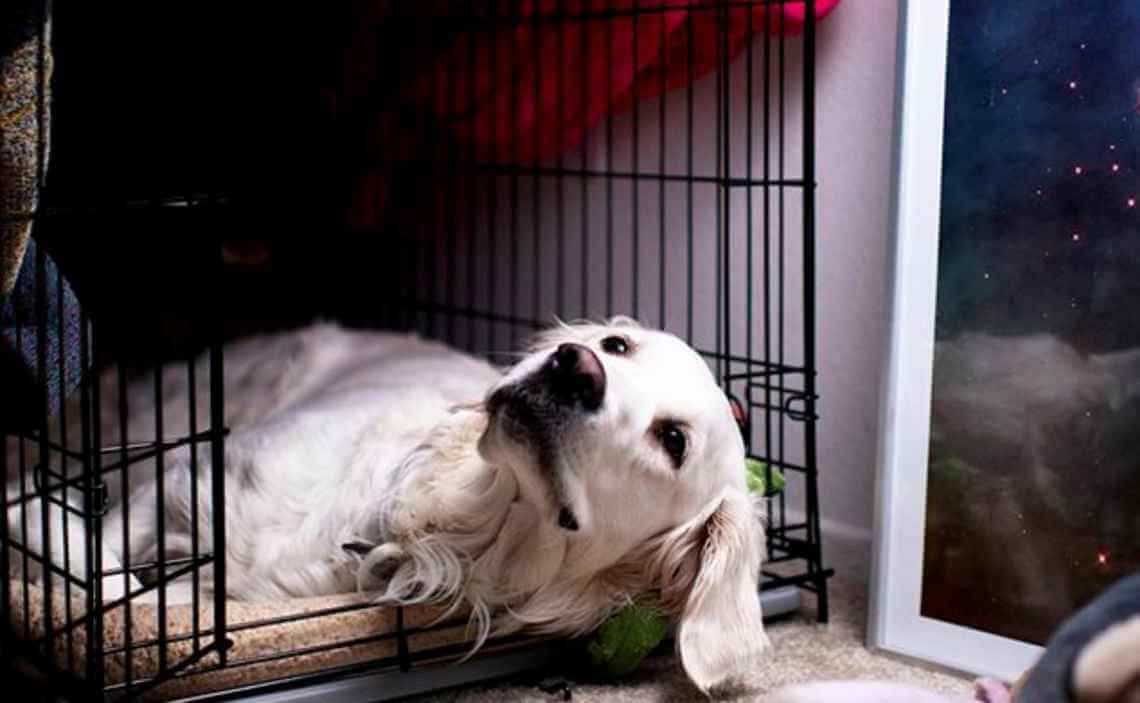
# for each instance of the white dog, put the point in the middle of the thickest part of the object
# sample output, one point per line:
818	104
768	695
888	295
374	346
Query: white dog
605	464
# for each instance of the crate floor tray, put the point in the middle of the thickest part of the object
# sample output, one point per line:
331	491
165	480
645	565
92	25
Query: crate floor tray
268	640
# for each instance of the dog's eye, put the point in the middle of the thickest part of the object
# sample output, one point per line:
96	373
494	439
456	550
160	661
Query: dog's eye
673	439
615	345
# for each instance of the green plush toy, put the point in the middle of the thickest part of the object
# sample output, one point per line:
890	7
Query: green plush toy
620	644
757	478
625	639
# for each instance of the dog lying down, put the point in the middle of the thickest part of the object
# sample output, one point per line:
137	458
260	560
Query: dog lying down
605	464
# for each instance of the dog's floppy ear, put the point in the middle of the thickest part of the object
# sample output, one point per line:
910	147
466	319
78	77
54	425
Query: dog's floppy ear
708	571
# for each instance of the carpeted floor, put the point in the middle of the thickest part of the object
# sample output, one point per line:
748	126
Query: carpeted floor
802	651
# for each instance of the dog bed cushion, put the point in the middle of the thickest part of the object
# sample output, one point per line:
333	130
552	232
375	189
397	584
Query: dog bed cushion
356	628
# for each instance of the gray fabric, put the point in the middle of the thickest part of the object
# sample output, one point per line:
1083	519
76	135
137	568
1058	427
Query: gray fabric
23	137
1050	681
25	108
37	318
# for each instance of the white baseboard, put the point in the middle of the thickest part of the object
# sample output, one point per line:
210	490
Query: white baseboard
835	529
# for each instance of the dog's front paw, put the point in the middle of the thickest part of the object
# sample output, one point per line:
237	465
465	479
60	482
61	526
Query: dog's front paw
116	588
377	565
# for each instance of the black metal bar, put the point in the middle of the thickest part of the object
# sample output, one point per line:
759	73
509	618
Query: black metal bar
748	223
404	661
65	467
584	264
559	175
791	527
137	690
52	446
131	644
797	415
432	265
635	162
89	431
465	311
148	449
451	212
218	485
736	358
48	602
609	176
433	654
44	491
781	253
125	503
195	530
534	324
432	672
160	517
662	103
126	599
253	624
724	207
536	186
492	206
138	566
513	276
813	507
116	448
74	482
767	252
536	170
691	61
45	562
471	187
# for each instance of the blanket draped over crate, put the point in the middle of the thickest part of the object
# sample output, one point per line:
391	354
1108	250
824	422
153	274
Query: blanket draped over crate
24	120
533	82
529	90
39	313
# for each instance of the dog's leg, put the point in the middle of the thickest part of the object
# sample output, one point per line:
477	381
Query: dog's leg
175	508
64	554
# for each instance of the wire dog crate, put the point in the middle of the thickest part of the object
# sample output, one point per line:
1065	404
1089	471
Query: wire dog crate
219	171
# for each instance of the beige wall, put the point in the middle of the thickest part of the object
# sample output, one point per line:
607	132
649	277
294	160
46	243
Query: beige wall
856	93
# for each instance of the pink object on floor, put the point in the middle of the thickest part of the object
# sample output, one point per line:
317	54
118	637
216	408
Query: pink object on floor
986	690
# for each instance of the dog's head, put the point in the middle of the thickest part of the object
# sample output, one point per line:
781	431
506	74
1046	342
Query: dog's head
623	439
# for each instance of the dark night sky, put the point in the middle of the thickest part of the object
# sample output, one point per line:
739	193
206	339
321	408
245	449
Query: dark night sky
1041	182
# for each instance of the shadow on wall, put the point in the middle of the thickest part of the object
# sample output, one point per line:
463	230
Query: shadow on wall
1034	481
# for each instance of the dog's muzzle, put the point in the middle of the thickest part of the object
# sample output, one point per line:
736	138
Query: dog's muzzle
539	408
570	379
575	376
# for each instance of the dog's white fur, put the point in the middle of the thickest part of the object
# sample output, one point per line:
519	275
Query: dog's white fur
383	442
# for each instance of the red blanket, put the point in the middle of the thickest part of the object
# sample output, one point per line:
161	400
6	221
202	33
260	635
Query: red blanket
531	83
532	88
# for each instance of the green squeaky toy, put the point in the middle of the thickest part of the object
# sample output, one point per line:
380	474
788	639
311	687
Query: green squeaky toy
623	641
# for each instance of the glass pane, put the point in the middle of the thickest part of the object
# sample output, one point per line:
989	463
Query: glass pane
1034	475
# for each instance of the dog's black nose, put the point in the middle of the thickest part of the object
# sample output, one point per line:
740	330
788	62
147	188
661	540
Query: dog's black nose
576	376
566	520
